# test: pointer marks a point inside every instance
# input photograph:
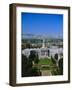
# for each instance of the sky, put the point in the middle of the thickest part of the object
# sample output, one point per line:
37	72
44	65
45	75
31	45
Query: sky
50	25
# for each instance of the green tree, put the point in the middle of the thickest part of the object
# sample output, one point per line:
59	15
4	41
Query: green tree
26	66
48	52
33	57
56	58
61	66
35	71
36	59
53	60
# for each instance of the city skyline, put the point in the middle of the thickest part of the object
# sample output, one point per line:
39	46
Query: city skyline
50	25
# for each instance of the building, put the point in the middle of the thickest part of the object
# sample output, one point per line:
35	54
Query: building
44	52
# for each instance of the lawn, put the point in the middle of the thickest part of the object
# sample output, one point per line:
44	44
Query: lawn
45	61
46	64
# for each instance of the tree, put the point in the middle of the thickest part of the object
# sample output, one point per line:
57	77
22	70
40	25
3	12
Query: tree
53	60
33	57
35	71
61	66
26	66
36	59
56	58
48	52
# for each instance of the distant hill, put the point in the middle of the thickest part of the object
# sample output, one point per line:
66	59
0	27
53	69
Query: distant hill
32	36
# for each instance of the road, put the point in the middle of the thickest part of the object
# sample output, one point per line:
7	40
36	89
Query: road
46	72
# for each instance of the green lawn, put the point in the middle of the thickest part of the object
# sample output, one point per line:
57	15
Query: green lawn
45	61
47	64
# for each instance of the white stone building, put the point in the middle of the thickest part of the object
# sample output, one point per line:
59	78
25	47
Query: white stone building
44	52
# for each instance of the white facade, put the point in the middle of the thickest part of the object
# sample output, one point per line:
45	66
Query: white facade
44	52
